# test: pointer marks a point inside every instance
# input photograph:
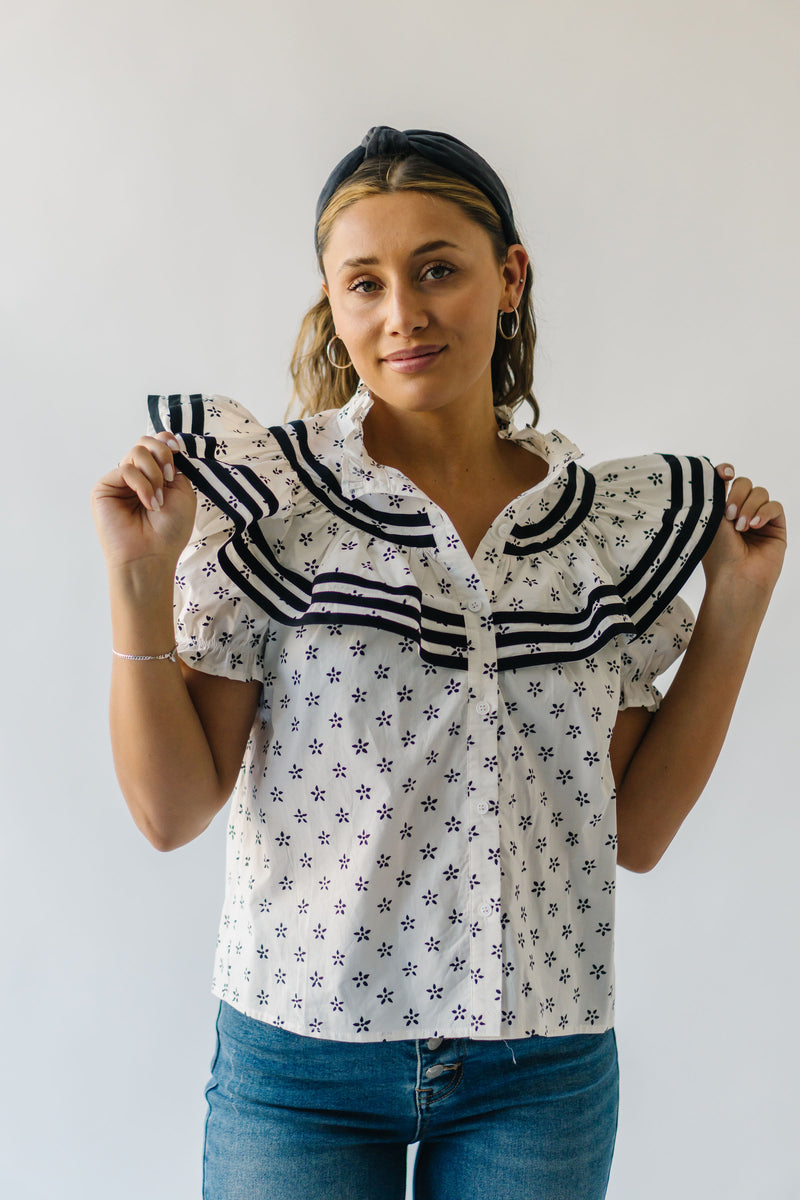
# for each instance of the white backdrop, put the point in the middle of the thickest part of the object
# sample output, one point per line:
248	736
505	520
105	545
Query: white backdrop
160	162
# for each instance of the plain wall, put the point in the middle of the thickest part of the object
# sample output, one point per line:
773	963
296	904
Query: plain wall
160	162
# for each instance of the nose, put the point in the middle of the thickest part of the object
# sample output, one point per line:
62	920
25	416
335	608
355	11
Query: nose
405	310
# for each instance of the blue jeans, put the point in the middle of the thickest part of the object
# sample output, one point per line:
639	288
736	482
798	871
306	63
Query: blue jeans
300	1118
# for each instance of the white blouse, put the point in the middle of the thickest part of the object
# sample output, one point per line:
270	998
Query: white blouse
422	840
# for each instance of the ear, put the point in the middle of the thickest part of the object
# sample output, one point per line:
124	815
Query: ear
514	271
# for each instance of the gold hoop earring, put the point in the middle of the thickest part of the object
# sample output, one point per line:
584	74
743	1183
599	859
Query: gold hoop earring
508	337
331	359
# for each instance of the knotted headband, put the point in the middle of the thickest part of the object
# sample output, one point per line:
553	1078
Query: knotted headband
381	141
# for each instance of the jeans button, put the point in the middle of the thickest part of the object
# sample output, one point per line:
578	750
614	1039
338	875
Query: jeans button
434	1072
434	1043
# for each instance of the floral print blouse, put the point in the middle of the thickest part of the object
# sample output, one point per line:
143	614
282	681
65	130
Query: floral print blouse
422	839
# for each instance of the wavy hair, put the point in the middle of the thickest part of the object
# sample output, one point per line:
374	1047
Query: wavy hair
317	384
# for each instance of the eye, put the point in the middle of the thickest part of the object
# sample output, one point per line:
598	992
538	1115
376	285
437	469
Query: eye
364	286
443	269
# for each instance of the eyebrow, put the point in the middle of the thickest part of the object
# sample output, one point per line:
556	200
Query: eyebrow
371	260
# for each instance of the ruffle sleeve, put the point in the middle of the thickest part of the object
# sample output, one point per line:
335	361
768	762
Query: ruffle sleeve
650	521
233	460
240	475
612	546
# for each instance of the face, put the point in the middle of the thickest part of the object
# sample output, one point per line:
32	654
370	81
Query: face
415	288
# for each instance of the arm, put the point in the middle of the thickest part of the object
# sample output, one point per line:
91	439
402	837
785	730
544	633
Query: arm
178	736
662	761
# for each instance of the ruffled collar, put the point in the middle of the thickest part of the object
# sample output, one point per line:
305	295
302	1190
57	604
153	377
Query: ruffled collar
362	475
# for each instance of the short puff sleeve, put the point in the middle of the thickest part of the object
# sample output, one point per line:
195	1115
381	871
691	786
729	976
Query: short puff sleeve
650	654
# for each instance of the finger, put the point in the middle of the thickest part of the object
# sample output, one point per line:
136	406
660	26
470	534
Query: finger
148	469
153	458
770	513
144	479
169	439
737	494
162	447
750	506
725	470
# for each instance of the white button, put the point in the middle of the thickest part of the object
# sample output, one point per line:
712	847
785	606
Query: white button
476	605
434	1043
434	1072
482	708
505	529
485	910
482	806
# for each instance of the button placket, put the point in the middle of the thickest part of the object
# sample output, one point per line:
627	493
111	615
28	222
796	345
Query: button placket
470	588
483	827
484	846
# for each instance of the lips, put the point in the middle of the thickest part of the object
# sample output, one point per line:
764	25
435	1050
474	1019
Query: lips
415	358
412	352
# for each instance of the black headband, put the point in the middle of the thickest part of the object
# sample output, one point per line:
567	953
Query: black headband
381	141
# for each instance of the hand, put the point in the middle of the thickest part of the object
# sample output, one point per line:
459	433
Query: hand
144	508
748	548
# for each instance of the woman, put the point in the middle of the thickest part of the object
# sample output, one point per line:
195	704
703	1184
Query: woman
421	643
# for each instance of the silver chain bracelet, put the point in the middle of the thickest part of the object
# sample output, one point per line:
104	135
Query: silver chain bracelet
172	656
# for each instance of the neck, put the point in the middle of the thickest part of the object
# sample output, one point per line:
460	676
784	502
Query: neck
452	448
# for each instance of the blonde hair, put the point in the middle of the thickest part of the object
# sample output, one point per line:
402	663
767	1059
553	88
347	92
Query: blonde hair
317	384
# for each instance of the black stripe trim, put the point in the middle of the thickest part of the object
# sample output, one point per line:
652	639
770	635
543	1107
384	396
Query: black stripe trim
246	538
601	601
450	661
372	521
176	409
290	598
664	538
538	658
557	512
205	452
363	585
698	522
198	414
334	486
154	413
585	499
352	606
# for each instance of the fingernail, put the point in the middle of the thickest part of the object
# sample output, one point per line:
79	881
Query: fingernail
159	497
173	445
755	521
169	472
730	511
728	472
741	524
